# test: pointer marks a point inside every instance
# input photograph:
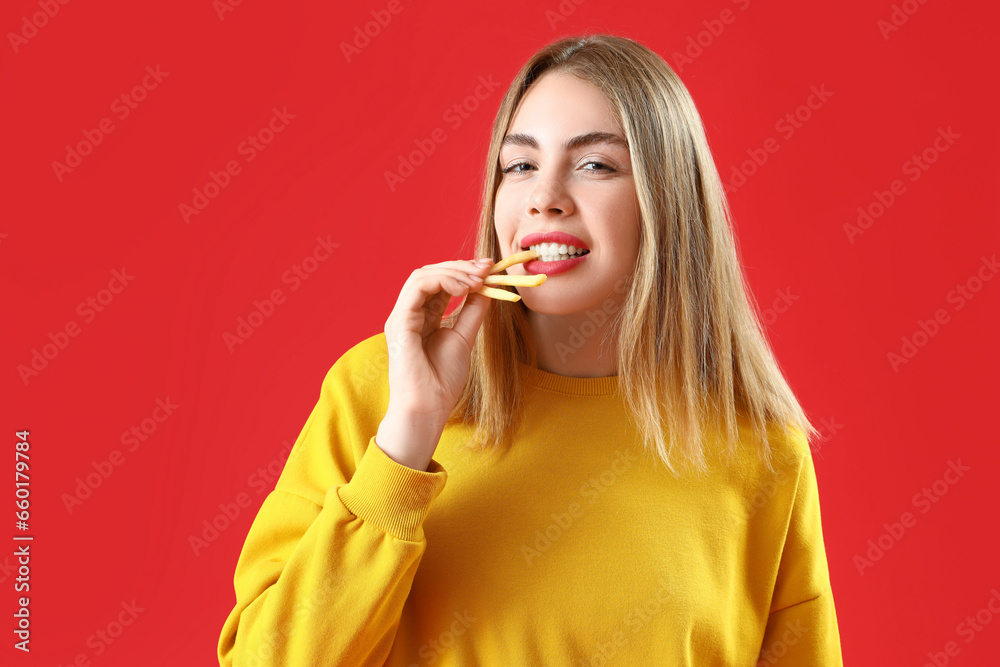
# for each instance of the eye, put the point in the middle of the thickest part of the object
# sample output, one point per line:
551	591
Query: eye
601	165
514	167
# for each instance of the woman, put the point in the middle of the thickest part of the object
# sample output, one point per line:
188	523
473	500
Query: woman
486	488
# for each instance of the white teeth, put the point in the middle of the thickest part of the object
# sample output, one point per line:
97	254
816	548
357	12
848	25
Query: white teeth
551	252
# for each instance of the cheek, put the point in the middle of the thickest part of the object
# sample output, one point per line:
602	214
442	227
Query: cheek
503	217
621	210
622	231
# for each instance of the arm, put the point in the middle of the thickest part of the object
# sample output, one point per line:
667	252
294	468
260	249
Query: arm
802	624
328	562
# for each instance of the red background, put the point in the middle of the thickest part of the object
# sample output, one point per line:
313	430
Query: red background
889	432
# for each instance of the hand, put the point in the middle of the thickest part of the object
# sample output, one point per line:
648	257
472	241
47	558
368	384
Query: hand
429	365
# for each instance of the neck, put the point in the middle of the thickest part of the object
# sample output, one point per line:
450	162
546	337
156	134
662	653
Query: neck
571	345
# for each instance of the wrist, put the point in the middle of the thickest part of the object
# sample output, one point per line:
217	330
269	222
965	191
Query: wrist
409	439
423	420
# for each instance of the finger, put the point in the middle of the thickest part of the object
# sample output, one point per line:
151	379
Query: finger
429	282
425	289
424	297
471	316
434	306
460	264
423	301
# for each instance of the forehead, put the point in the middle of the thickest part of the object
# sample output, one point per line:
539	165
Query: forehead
559	105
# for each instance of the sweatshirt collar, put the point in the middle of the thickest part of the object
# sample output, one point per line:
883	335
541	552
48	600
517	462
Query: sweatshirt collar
564	384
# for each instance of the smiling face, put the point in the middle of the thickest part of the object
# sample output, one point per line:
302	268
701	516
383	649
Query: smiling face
565	168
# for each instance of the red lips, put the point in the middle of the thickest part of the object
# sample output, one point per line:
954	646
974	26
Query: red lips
552	237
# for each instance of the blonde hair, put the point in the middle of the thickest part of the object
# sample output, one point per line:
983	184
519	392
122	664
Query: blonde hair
692	353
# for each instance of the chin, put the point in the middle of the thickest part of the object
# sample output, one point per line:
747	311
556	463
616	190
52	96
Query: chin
553	306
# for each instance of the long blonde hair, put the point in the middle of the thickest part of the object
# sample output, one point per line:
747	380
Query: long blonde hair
692	353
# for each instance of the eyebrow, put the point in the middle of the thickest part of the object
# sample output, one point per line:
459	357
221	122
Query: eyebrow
590	138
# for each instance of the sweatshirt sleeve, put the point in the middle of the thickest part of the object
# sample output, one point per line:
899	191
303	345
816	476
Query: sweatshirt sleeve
330	557
802	626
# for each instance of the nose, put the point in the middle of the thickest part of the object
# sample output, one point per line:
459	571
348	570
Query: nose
549	195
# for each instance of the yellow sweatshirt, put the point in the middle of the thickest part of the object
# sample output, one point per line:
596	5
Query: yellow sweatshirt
571	549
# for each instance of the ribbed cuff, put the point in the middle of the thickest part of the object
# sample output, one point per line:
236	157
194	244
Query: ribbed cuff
394	497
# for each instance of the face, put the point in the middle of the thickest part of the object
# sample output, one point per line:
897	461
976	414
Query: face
565	167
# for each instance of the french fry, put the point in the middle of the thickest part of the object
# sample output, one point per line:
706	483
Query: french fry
501	294
520	281
516	258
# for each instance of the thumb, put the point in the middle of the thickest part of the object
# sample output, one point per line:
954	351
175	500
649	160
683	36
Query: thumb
471	316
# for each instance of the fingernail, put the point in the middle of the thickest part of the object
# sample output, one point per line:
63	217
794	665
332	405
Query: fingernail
484	261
